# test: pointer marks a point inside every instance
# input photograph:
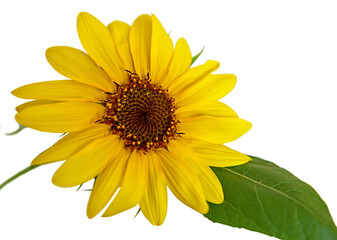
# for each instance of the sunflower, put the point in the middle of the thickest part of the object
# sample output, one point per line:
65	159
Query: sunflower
138	118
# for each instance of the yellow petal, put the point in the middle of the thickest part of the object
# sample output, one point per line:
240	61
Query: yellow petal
120	32
140	44
181	62
154	201
60	117
213	87
78	66
33	103
182	181
214	129
209	181
107	183
161	51
211	184
212	108
133	186
70	144
192	76
97	41
59	90
217	155
88	162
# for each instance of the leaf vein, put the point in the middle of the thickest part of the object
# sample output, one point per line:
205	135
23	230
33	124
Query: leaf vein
279	192
262	207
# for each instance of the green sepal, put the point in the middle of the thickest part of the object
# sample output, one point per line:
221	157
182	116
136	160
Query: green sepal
197	56
137	213
88	189
79	187
20	128
263	197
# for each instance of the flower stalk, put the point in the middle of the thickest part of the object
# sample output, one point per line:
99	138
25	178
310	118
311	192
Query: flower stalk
22	172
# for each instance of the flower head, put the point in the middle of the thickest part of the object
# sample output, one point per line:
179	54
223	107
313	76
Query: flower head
137	118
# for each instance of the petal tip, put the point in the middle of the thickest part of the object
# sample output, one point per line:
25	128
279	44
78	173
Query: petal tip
249	125
82	14
18	92
49	52
57	180
154	17
90	213
234	78
219	200
246	125
14	92
204	209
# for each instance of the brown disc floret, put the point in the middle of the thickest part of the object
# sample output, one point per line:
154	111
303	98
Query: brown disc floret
141	113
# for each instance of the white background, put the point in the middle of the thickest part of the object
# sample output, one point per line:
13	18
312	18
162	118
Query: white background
284	54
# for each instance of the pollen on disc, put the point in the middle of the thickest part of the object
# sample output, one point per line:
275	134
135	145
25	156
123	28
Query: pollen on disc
141	113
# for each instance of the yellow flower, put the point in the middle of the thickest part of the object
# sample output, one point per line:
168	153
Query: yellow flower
138	119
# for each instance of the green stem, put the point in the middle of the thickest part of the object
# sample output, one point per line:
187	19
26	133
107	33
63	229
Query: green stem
28	169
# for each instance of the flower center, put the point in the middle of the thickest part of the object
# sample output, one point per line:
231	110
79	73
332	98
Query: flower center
141	113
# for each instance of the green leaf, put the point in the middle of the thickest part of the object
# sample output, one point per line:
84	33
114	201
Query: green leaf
262	197
197	56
